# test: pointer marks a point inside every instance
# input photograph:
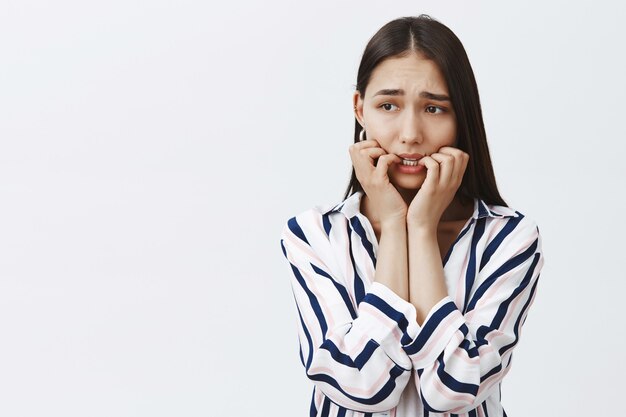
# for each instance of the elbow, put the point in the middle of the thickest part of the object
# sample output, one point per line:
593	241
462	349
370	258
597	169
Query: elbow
436	404
364	393
448	395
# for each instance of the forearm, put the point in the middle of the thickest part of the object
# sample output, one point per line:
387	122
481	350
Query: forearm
426	279
391	260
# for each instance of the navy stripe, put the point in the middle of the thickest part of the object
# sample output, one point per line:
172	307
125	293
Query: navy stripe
516	329
519	318
359	288
470	273
367	415
502	309
463	232
341	412
390	312
297	230
503	269
452	383
346	360
377	398
491	372
340	288
358	228
309	340
472	413
483	331
429	327
483	210
312	300
313	409
484	405
327	224
466	345
325	407
510	225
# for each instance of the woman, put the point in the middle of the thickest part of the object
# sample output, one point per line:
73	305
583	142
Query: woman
412	292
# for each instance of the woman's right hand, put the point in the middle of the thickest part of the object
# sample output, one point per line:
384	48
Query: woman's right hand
385	198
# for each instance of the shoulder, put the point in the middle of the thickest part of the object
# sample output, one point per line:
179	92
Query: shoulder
512	229
317	221
306	236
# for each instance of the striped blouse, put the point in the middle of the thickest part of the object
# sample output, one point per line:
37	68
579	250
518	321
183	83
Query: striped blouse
360	342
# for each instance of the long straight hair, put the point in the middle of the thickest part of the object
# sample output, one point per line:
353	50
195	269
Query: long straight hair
435	41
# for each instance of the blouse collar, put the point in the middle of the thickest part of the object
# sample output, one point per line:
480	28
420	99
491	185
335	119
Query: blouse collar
351	206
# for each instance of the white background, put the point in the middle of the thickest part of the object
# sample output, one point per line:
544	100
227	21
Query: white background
150	153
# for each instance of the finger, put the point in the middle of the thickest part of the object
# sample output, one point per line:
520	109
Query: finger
365	158
368	143
432	171
373	153
446	168
461	159
384	162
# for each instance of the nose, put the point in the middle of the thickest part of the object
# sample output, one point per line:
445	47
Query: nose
410	130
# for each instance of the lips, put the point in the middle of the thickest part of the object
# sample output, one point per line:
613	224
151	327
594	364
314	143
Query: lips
411	156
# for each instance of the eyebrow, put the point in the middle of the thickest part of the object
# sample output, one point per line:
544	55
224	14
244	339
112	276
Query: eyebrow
423	94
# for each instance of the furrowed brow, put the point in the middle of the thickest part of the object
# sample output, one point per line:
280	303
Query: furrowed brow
423	94
390	92
433	96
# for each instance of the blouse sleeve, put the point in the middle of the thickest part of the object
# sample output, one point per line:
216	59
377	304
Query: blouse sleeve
354	356
461	356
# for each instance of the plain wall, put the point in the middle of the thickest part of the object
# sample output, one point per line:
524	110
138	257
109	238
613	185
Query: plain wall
151	152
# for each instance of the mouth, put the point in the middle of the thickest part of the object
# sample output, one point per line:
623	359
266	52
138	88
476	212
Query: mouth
410	159
409	162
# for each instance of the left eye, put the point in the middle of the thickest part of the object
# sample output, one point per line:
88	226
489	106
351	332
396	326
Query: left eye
433	109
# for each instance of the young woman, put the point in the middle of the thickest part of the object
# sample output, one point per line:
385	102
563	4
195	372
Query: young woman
412	291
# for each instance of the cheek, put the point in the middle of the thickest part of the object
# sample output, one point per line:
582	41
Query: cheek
443	133
382	136
381	129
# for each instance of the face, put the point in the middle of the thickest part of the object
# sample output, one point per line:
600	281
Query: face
407	110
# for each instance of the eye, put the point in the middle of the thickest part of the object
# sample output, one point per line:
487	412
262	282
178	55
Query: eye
387	104
433	109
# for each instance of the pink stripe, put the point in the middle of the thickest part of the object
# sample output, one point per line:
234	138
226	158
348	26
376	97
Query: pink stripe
383	319
460	287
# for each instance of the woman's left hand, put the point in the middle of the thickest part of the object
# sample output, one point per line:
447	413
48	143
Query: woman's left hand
444	173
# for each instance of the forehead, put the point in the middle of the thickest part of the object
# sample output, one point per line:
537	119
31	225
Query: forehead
413	73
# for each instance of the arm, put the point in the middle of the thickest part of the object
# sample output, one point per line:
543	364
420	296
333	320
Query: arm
461	356
352	354
392	258
461	353
426	285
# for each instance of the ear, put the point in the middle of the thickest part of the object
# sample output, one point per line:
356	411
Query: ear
357	104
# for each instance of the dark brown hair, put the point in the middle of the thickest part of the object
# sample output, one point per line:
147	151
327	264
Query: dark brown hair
435	41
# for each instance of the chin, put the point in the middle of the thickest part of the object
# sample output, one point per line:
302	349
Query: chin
413	183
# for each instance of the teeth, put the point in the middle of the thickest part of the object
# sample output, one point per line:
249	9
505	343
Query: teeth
409	162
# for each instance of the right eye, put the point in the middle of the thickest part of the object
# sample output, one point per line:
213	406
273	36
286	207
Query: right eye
386	106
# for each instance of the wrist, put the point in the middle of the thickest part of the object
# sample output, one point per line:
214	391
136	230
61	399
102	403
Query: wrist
393	225
420	229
